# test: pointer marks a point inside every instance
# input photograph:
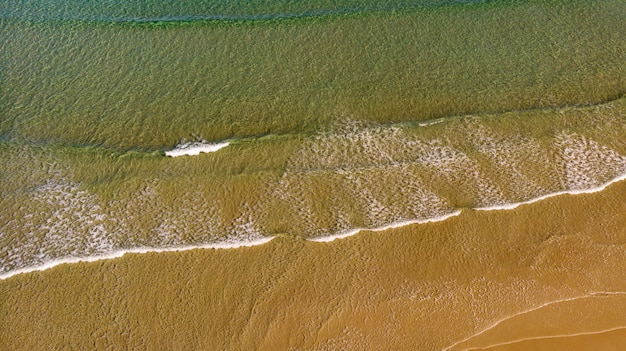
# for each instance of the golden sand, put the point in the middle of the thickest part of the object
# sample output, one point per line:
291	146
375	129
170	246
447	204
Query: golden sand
421	287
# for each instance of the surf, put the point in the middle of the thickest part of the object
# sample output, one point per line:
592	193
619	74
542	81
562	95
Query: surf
235	244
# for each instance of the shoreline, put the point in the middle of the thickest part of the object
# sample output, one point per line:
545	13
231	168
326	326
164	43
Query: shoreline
535	308
548	337
351	232
325	239
138	250
515	205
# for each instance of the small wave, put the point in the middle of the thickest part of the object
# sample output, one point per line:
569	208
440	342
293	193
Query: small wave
192	149
233	244
385	227
515	205
139	250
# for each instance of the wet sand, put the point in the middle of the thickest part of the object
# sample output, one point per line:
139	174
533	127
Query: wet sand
426	287
585	317
607	341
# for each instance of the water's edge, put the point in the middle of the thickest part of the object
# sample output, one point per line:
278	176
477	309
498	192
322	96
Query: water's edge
324	239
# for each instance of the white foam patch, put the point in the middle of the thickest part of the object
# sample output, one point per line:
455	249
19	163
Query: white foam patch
515	205
233	244
587	162
290	191
64	221
192	149
352	144
358	175
140	250
509	157
431	122
385	227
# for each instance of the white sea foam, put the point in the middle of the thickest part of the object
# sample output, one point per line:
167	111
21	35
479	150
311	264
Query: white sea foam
431	122
512	206
139	250
385	227
192	149
232	244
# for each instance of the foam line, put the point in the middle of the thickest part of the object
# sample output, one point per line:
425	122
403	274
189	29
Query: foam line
232	245
222	245
558	193
193	149
355	231
431	122
139	250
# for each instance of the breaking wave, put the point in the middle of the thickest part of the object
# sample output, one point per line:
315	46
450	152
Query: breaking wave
355	176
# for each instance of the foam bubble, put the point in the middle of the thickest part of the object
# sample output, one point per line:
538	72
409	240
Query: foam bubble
140	250
192	149
254	241
511	206
385	227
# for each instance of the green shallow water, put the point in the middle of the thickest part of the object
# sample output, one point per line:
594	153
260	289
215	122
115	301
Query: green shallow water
336	121
148	86
65	201
140	11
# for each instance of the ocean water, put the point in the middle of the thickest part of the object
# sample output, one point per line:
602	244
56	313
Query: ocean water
152	11
148	86
337	116
166	125
68	202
